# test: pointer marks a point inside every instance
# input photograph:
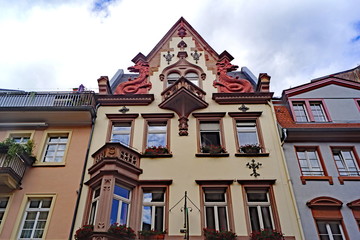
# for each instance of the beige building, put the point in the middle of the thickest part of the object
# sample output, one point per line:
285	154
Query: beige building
38	187
186	122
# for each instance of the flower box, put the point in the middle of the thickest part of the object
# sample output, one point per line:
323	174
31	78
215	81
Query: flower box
213	149
151	234
267	234
156	150
250	148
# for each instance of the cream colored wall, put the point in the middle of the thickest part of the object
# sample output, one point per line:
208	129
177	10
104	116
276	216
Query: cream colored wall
59	182
184	168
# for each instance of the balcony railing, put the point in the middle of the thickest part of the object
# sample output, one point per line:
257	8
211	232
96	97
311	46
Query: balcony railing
12	170
46	99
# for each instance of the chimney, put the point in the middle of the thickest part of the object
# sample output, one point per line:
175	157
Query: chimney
263	83
104	87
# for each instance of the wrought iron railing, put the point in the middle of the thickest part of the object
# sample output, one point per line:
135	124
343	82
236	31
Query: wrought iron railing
12	165
46	99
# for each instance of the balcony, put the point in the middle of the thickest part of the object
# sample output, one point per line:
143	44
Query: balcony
12	170
75	107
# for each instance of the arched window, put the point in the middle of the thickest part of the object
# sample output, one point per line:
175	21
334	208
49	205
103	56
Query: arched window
193	77
172	78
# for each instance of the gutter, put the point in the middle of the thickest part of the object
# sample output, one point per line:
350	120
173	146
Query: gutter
83	175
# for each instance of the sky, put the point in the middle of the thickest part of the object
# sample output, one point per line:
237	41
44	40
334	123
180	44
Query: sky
56	45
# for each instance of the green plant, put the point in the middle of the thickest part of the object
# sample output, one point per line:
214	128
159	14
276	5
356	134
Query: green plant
212	234
11	148
152	232
122	231
267	234
154	150
84	232
250	148
213	149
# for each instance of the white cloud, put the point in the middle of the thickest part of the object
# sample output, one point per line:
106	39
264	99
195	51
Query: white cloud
61	44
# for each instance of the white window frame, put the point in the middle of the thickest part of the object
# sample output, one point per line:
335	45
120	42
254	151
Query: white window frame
303	110
94	205
192	77
258	205
328	230
311	172
216	205
174	76
205	130
153	206
121	201
38	211
58	143
247	127
316	112
24	138
346	170
3	209
126	132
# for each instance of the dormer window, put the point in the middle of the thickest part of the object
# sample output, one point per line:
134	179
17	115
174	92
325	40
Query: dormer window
310	111
172	78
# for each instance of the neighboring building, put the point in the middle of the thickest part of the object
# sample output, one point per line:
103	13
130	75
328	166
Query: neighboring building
38	199
321	142
177	127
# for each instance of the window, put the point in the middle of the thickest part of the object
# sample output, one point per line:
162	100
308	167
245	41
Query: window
309	162
355	207
94	206
55	148
300	112
153	211
259	208
210	133
121	133
345	162
157	134
247	132
330	230
3	205
120	205
35	218
215	204
317	111
192	77
172	78
309	111
21	139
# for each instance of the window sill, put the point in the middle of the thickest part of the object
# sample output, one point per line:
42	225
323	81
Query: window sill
316	178
49	164
168	155
252	154
212	154
348	178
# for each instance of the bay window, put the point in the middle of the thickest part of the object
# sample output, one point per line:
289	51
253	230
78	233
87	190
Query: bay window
120	205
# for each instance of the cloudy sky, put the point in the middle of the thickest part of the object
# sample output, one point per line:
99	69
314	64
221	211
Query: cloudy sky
60	44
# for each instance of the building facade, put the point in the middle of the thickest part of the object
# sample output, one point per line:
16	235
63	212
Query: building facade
186	127
320	122
38	187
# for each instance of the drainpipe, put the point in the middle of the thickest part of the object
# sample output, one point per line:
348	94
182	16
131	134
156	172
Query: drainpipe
83	174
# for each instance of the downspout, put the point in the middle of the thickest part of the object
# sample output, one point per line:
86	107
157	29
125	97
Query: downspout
289	184
83	174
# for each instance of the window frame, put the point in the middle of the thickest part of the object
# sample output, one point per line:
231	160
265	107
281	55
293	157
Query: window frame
357	103
209	117
308	111
304	178
216	184
260	185
94	199
6	209
248	117
153	205
20	133
157	118
356	159
327	209
328	229
121	200
21	214
121	118
44	144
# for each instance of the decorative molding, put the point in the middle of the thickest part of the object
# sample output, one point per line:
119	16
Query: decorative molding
115	116
324	201
168	57
182	45
245	114
125	99
157	115
156	182
196	56
216	182
256	182
209	114
239	98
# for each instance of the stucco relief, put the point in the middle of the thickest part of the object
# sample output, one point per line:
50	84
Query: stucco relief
228	84
139	85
